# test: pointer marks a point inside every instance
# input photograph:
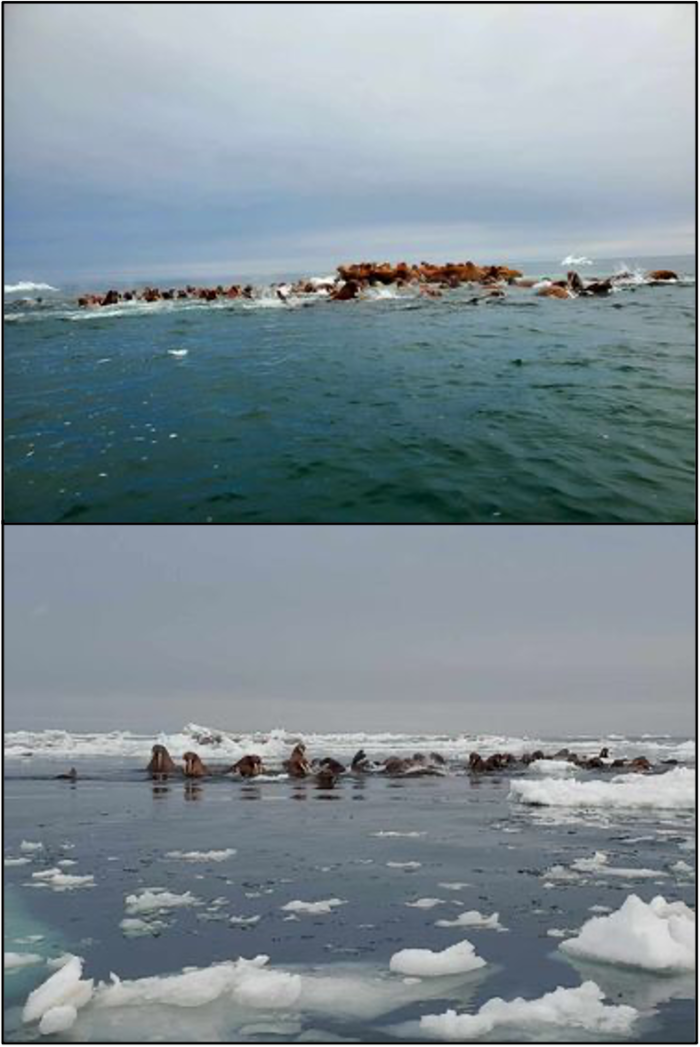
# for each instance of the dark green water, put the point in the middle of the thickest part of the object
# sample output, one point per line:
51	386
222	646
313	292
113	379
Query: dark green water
404	409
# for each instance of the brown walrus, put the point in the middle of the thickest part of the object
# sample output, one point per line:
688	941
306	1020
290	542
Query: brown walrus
360	763
329	764
161	761
247	767
297	766
553	292
662	274
194	768
640	763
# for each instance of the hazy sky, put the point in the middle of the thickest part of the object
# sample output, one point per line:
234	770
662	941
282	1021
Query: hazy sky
206	139
537	629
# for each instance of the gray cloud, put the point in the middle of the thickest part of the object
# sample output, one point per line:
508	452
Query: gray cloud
222	132
351	628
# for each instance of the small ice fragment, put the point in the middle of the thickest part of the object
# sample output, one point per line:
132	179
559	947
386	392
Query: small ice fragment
424	963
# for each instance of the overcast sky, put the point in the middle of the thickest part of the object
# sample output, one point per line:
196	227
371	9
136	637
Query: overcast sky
536	629
214	139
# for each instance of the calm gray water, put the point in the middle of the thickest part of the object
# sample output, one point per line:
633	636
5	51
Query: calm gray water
402	409
296	841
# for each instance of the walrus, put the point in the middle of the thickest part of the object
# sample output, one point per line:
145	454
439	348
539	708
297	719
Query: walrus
326	777
70	776
437	758
553	292
247	766
395	765
360	763
329	764
640	763
161	761
662	274
194	768
297	766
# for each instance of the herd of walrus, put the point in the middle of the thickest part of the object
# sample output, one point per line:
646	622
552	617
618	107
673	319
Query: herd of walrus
428	279
327	770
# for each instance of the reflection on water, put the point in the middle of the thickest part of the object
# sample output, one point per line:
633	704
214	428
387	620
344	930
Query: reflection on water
193	791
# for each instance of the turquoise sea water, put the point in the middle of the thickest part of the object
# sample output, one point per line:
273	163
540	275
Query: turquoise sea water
396	409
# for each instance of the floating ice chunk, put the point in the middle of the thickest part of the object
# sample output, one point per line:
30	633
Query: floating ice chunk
28	845
28	285
313	908
59	961
599	863
245	981
153	899
473	918
243	921
178	352
58	1019
391	832
66	986
29	939
60	881
674	789
558	932
682	868
16	861
424	963
13	960
403	865
657	936
202	856
580	1008
425	903
599	908
65	863
557	768
134	927
453	886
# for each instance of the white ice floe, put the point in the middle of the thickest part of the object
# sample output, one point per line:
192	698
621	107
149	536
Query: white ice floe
390	832
599	908
154	899
60	881
682	868
247	982
473	918
29	845
424	963
135	927
403	865
16	861
202	856
58	1019
454	885
14	960
658	936
580	1008
599	864
178	352
425	903
56	962
557	768
64	988
244	921
313	908
674	789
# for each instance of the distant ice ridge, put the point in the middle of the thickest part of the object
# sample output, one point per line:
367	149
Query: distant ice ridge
27	285
572	259
674	789
658	936
274	745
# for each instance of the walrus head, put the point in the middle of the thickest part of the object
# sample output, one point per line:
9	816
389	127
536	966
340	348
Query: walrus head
161	761
194	768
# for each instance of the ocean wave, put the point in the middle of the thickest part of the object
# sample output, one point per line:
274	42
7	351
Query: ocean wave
27	285
572	259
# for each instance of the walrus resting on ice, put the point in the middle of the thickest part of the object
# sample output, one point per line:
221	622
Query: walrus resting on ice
247	767
161	761
194	768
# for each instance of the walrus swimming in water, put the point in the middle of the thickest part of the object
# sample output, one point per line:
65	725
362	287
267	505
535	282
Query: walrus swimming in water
194	768
71	775
329	764
297	765
161	761
247	767
360	763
